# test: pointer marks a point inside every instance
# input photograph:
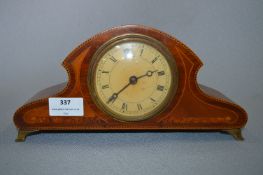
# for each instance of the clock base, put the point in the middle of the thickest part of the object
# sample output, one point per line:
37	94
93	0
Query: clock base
236	133
22	134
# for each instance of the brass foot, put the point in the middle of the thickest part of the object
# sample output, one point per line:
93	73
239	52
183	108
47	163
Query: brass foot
22	134
236	133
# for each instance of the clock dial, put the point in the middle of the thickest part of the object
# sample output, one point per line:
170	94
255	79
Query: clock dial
132	79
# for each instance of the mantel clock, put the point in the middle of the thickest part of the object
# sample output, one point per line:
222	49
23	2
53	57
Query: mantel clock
130	78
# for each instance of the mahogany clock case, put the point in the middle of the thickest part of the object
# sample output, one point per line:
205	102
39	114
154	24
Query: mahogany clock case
193	107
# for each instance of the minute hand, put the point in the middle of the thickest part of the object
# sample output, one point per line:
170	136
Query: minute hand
123	88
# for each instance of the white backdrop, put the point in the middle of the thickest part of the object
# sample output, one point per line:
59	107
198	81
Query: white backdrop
35	37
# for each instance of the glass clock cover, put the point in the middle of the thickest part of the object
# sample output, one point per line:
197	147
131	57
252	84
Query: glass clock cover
132	77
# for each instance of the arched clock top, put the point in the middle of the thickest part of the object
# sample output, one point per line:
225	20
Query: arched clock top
177	48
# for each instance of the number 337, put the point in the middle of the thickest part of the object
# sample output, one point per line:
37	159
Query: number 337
64	102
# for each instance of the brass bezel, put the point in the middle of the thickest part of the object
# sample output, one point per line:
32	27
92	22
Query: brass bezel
132	38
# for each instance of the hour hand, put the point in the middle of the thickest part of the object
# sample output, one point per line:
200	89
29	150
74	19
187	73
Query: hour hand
112	98
150	73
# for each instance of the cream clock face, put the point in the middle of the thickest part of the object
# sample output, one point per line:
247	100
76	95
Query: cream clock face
132	78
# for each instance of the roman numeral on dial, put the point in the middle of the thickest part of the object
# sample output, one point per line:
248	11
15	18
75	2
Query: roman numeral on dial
160	88
112	58
124	107
139	106
155	59
105	86
160	73
153	100
142	50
